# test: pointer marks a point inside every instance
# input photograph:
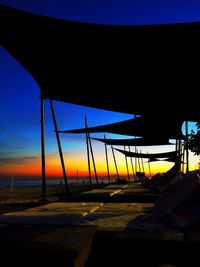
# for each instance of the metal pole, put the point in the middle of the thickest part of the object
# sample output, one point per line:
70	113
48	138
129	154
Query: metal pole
94	165
180	151
180	145
142	161
59	148
135	163
88	154
135	116
139	163
131	162
107	164
187	151
115	162
183	167
149	167
176	145
127	167
91	151
43	150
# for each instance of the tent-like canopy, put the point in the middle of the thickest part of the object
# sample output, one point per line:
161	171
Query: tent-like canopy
152	160
134	141
149	156
121	64
151	128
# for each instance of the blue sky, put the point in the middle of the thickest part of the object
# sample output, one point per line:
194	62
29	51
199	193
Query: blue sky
19	93
113	11
20	119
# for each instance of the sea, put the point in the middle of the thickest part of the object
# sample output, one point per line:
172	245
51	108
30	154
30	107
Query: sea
35	182
19	182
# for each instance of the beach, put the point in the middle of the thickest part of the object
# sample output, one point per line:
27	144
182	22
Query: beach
23	197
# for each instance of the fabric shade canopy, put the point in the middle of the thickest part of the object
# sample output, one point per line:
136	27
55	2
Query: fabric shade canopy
150	128
133	142
172	159
152	160
148	156
119	63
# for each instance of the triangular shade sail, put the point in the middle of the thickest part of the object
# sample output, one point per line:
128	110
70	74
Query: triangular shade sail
167	159
152	160
147	127
133	142
121	64
149	156
172	160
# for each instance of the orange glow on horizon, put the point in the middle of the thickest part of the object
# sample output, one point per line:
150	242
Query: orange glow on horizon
77	164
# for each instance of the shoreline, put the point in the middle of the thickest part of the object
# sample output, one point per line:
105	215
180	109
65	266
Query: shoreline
24	197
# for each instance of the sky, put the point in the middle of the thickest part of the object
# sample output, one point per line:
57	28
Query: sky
114	11
20	95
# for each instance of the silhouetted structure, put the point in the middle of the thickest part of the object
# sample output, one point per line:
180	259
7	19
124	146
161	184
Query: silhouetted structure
154	57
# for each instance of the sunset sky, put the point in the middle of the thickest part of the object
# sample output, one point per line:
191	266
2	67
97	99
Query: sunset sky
20	103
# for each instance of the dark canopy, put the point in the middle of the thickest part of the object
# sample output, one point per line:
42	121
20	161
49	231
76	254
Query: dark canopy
152	160
134	142
151	128
121	64
172	159
148	155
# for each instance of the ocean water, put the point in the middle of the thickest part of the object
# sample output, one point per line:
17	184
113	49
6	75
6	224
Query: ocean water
17	182
34	182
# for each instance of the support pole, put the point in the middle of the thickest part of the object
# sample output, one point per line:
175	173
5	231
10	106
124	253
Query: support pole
107	164
180	147
142	162
132	163
115	162
180	151
92	154
88	154
183	159
149	167
139	163
94	165
176	146
136	169
43	150
60	149
127	166
88	158
187	151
